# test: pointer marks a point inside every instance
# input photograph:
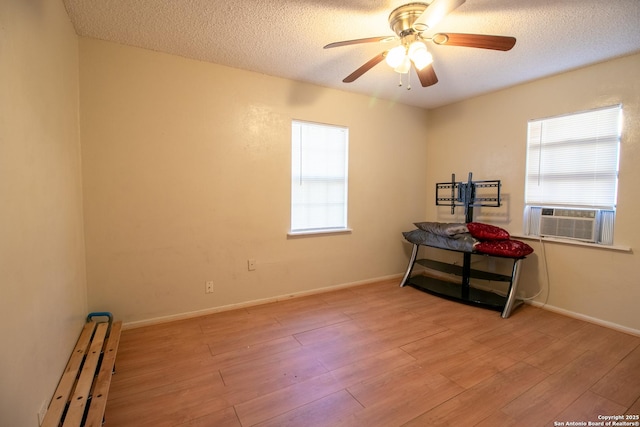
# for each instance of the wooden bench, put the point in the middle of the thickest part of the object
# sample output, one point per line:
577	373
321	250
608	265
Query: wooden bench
81	396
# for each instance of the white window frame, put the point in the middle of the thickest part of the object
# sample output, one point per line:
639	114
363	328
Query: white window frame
573	163
319	178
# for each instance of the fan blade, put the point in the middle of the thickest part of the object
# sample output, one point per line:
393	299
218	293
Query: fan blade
434	13
357	41
481	41
427	75
366	67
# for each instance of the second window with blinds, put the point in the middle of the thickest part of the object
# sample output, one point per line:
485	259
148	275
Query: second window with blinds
319	171
572	175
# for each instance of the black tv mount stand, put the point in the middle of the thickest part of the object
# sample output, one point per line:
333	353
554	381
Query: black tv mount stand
465	194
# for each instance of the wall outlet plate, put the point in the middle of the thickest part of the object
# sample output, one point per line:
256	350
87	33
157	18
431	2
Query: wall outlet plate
208	287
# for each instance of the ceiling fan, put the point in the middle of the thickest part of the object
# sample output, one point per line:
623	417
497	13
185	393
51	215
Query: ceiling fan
410	23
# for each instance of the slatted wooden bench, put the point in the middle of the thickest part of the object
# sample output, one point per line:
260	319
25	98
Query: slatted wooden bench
81	396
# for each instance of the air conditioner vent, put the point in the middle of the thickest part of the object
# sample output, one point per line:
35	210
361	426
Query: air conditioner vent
579	224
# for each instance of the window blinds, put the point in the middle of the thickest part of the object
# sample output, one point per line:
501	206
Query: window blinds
572	160
319	159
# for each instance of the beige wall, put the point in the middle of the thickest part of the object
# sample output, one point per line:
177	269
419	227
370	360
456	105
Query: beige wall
43	291
186	176
487	136
186	171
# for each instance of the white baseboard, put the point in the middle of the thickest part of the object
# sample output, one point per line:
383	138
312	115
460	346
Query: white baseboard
589	319
213	310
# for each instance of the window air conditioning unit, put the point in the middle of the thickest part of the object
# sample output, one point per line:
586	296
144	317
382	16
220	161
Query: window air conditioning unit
578	224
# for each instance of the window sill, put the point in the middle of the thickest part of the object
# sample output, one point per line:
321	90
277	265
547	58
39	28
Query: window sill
574	243
311	233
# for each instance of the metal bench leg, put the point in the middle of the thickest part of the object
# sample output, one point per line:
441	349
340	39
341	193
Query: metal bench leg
513	288
412	260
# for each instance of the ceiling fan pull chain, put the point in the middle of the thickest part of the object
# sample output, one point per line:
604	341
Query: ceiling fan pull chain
400	81
408	81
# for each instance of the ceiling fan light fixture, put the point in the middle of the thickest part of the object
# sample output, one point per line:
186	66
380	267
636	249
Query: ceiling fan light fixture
396	56
404	66
415	46
420	55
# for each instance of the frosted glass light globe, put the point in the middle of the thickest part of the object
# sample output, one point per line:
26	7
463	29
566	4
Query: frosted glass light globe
395	56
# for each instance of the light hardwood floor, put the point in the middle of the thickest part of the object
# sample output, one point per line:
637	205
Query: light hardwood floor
373	355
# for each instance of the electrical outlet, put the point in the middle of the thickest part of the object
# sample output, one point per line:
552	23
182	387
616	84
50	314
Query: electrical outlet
208	287
251	264
42	412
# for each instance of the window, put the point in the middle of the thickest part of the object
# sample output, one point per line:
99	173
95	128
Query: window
319	166
572	175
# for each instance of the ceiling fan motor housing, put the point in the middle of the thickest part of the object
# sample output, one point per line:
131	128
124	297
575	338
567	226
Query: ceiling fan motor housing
402	18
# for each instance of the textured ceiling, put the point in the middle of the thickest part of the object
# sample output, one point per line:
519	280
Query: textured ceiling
284	38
